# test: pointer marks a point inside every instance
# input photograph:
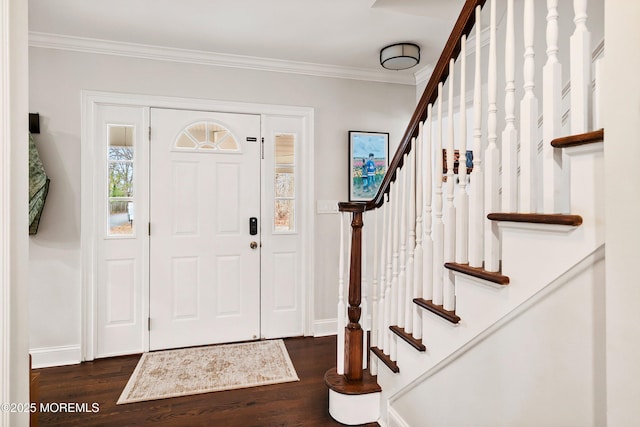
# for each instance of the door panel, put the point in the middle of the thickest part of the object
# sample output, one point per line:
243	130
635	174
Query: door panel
120	173
205	185
282	252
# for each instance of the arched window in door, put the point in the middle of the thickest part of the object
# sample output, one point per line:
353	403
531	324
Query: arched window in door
206	136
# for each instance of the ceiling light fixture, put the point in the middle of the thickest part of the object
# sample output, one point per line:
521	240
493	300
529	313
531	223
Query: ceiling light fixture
400	56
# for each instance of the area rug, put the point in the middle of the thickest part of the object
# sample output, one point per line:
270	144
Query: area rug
183	372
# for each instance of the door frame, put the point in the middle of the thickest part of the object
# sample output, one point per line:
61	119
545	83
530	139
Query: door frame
90	101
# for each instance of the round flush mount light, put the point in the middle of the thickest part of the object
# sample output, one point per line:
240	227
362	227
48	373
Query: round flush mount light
400	56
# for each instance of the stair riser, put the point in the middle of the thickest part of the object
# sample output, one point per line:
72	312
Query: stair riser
587	182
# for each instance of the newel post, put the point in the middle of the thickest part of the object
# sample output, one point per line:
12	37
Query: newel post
353	330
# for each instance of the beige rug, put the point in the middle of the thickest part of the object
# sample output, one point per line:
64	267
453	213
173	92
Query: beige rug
183	372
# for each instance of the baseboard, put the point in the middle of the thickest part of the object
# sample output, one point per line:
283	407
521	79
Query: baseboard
55	356
325	327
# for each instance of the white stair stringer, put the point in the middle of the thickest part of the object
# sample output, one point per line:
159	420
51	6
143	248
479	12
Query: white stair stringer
580	285
533	257
480	306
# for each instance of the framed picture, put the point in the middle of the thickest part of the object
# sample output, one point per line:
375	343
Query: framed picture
368	162
456	161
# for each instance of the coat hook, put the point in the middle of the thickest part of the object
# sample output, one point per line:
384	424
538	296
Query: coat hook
34	122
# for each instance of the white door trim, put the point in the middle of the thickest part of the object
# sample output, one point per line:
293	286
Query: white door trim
90	101
14	243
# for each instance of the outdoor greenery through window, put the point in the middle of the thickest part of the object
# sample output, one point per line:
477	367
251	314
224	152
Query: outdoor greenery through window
121	180
284	215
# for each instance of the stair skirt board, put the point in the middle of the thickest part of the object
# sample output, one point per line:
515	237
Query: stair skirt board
586	262
394	419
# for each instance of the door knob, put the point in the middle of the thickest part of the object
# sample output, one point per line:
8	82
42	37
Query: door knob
253	245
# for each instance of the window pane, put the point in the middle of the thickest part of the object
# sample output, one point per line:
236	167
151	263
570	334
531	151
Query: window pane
120	167
284	149
216	132
284	215
120	153
284	181
198	131
121	217
121	179
121	142
229	143
184	141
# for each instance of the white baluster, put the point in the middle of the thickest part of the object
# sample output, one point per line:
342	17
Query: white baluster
418	252
383	278
448	293
476	222
553	191
394	281
438	226
373	368
427	242
364	290
388	294
402	275
492	200
411	238
528	117
580	57
597	94
462	209
341	306
510	134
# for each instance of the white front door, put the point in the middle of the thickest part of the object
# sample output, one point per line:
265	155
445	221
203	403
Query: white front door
204	251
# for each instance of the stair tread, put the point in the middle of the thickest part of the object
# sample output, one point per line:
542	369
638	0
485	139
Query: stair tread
579	139
340	384
393	366
437	310
414	342
535	218
479	272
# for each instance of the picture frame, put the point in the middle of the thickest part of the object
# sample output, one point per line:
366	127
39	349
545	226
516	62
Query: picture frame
368	163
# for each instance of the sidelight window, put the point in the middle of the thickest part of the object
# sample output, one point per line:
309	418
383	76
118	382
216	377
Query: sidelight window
120	158
284	180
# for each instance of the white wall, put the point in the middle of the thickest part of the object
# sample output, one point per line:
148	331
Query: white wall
56	79
543	368
621	101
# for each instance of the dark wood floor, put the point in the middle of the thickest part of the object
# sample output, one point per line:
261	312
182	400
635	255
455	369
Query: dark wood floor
302	403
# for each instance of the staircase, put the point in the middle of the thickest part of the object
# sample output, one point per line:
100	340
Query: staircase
463	260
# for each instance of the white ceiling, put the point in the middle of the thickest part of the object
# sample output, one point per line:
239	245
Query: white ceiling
337	33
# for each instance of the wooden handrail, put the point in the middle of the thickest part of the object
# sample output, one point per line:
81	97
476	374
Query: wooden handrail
463	26
353	365
581	139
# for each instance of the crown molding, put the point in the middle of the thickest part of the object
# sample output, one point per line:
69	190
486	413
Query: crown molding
159	53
